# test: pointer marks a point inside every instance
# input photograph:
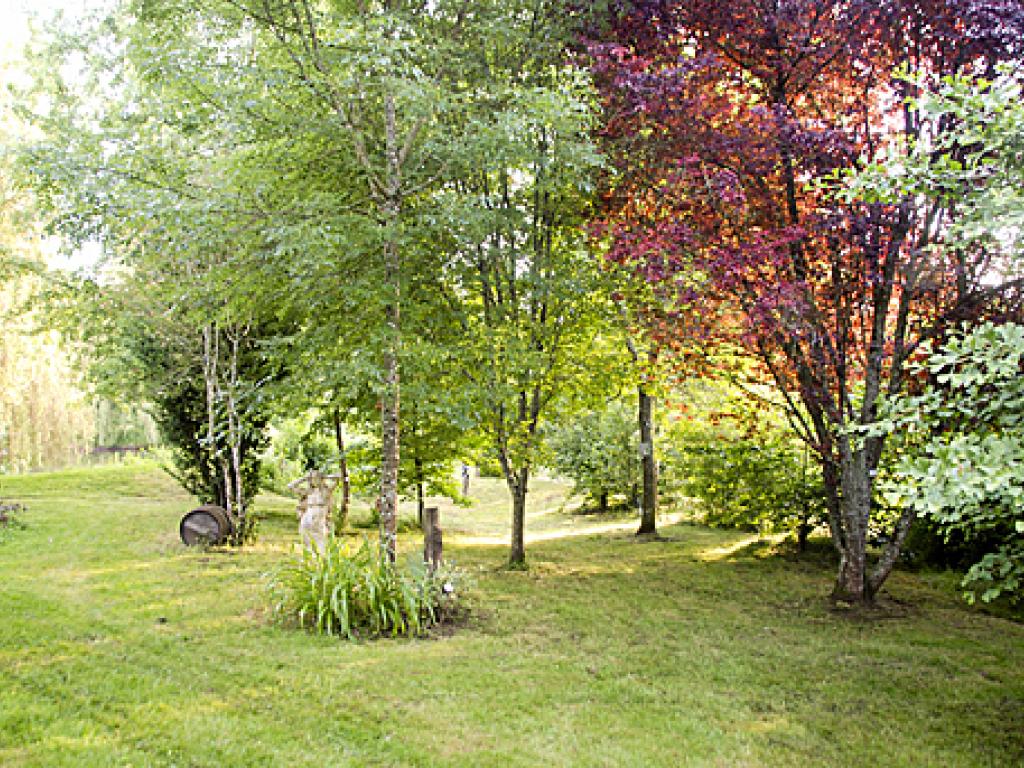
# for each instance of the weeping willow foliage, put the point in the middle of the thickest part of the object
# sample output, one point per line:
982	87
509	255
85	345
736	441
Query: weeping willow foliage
45	419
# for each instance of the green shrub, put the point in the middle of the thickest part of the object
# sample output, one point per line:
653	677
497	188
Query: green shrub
359	593
762	483
599	452
743	467
958	446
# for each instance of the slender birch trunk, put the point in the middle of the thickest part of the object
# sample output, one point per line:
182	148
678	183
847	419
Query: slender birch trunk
211	356
391	400
235	440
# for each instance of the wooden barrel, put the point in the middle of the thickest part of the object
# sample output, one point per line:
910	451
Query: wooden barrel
206	525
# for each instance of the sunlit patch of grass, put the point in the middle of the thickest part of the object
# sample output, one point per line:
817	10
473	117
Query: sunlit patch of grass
120	647
729	550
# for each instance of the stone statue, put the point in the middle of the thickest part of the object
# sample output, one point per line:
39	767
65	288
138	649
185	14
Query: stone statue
314	507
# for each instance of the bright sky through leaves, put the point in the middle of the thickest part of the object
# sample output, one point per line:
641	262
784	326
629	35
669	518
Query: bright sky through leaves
17	18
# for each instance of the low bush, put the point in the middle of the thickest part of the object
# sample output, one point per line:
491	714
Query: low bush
9	519
931	544
762	483
599	452
359	593
737	458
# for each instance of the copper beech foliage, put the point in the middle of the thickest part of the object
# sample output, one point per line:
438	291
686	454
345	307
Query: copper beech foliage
719	119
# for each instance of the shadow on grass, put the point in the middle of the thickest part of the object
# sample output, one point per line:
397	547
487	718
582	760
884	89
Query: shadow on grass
726	569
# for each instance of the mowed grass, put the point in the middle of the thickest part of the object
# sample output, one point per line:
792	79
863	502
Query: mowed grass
118	647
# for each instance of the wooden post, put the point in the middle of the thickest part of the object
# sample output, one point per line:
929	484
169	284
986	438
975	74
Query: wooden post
432	539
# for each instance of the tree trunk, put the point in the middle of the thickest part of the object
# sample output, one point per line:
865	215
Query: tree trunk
830	478
649	505
389	414
210	354
420	500
803	530
390	402
855	512
235	437
211	360
517	486
892	551
602	502
229	496
346	485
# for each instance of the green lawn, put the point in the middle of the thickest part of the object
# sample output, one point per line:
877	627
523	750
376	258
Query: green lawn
118	647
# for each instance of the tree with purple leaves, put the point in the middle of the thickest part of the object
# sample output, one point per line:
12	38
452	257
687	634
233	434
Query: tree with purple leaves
719	119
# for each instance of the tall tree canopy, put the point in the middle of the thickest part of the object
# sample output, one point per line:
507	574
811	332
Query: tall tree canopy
347	166
719	116
523	290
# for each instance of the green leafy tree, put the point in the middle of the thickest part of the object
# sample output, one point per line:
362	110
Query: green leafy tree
959	454
289	137
334	164
45	417
525	292
956	428
599	452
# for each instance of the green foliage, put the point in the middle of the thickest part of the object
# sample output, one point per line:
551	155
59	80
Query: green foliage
960	450
526	296
484	456
931	544
742	465
599	452
297	445
45	419
361	593
758	482
971	161
124	425
438	157
958	444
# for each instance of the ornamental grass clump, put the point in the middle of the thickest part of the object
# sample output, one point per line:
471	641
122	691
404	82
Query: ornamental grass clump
360	593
